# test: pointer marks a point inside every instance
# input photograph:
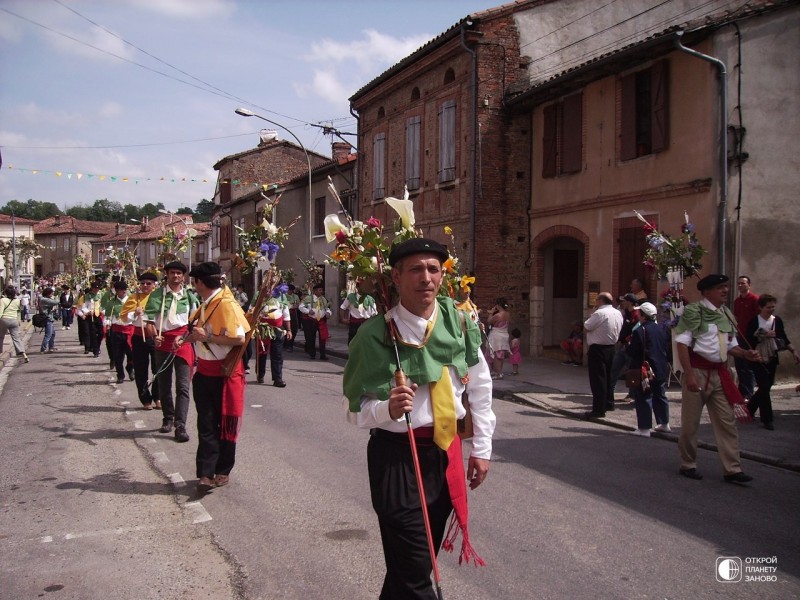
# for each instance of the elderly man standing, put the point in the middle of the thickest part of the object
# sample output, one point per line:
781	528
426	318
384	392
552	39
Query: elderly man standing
439	351
705	337
602	331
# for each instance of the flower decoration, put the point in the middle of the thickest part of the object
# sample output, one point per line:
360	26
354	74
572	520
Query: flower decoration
122	261
260	243
679	255
314	272
171	243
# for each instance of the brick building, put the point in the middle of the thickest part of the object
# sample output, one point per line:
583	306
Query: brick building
435	122
64	238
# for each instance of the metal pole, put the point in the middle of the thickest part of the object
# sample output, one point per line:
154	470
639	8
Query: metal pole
14	277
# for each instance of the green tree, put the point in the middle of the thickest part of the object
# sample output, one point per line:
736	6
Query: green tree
150	210
202	213
32	209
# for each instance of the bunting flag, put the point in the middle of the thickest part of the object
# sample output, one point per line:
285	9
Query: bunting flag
136	180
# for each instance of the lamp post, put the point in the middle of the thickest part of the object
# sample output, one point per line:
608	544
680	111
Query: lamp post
14	251
248	113
188	231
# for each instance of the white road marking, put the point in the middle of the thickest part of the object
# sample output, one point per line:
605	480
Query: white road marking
257	405
198	513
160	457
176	479
139	424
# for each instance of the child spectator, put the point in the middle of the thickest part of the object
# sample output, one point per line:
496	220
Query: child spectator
573	345
516	354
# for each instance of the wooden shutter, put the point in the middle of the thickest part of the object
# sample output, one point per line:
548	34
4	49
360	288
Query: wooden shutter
550	141
412	152
225	191
447	141
632	246
572	134
379	166
628	118
659	77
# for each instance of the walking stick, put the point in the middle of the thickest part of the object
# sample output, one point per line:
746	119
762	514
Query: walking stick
400	379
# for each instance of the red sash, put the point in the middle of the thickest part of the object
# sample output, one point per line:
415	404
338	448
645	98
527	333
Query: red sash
186	351
126	330
232	396
729	388
262	347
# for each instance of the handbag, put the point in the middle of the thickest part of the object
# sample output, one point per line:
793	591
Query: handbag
642	376
39	320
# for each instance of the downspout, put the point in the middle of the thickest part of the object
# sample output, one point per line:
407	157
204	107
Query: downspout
474	82
722	211
355	210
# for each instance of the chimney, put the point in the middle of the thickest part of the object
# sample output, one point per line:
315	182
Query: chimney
119	229
266	136
57	221
340	150
145	222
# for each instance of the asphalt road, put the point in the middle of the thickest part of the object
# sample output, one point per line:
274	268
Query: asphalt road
95	503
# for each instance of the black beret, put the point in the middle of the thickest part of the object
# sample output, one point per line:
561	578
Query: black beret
96	284
319	286
120	285
175	265
148	276
417	246
630	298
206	269
711	281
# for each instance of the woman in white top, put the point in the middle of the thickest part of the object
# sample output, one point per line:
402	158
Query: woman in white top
9	321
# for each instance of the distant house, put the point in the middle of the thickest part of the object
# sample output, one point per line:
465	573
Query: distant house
245	181
143	239
64	238
19	229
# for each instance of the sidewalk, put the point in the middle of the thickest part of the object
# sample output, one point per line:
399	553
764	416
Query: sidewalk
564	389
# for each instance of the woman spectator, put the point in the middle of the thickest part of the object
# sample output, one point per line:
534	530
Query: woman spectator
9	321
49	307
499	318
766	334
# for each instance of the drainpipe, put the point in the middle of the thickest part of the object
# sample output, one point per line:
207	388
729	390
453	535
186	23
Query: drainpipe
474	82
722	212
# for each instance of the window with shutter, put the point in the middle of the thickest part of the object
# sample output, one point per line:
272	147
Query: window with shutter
412	152
379	166
562	137
225	191
644	118
447	142
319	216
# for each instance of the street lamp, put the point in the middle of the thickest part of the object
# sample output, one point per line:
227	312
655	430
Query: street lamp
248	113
189	232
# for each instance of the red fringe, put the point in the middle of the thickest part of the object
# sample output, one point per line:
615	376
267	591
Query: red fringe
230	428
467	551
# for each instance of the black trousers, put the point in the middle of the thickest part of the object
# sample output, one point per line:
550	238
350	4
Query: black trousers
275	359
119	343
144	364
310	331
599	359
395	498
92	334
761	400
215	456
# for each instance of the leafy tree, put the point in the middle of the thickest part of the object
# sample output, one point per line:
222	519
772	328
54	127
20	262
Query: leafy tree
32	209
202	213
185	210
150	210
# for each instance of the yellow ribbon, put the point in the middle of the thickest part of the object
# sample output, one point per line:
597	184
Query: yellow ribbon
444	410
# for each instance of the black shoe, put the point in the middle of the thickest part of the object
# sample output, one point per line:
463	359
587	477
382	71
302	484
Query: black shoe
738	478
166	426
120	380
769	426
260	380
323	357
181	435
587	416
130	372
312	356
279	383
691	474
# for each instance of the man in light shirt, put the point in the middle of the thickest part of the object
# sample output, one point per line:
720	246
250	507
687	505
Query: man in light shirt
602	331
705	337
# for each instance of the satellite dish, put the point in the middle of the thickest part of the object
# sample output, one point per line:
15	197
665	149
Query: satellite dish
268	135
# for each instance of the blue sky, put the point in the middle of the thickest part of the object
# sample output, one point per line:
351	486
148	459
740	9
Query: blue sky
121	112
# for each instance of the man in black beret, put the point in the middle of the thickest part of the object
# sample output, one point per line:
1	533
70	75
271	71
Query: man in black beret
705	336
439	351
167	314
316	309
120	332
144	356
90	319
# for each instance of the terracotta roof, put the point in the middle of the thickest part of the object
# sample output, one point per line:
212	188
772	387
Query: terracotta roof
66	224
20	220
155	228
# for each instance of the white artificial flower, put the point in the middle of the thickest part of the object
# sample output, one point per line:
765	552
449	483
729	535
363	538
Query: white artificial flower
332	226
404	208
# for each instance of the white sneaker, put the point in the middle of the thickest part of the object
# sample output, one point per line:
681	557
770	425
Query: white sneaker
663	427
641	432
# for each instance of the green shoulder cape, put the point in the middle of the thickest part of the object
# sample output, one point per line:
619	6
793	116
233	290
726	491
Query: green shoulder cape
455	341
696	317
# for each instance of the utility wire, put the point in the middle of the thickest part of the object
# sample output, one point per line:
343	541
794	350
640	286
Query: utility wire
224	137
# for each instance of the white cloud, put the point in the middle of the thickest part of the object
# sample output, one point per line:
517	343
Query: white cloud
375	50
187	9
109	110
94	44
